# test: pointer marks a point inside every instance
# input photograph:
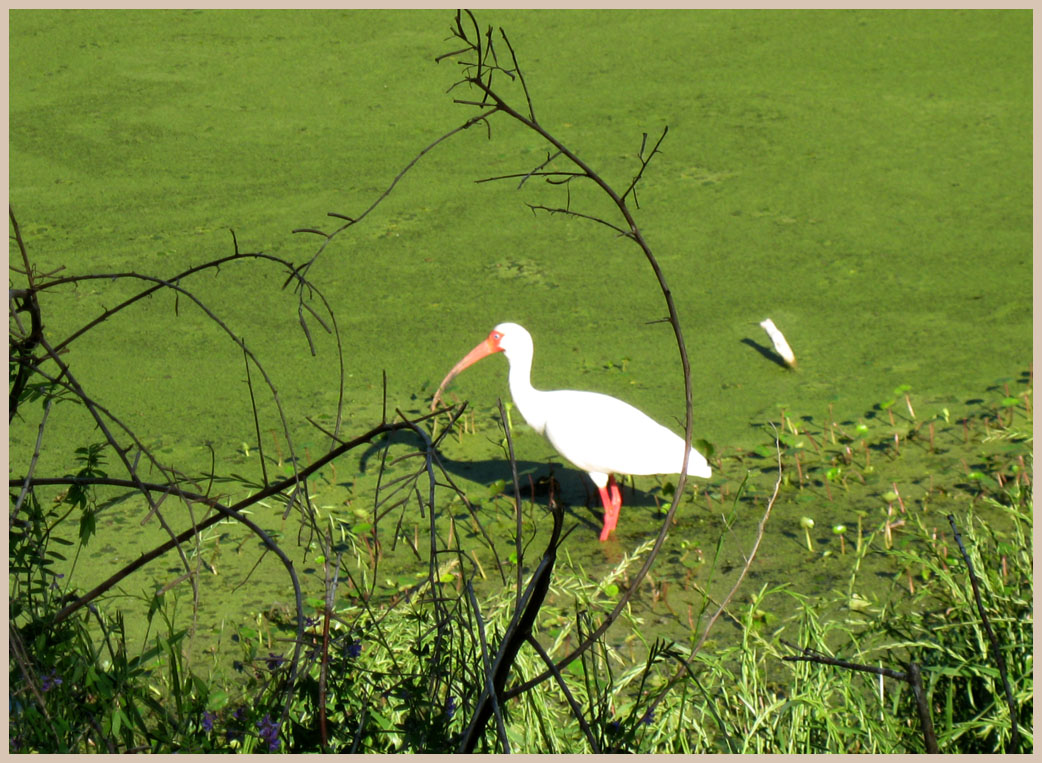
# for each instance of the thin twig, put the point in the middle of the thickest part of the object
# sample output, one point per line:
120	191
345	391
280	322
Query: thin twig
644	161
576	710
303	269
32	464
913	677
256	419
521	624
734	588
489	697
518	546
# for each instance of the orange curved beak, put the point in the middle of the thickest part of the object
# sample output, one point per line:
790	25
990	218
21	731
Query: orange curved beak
488	346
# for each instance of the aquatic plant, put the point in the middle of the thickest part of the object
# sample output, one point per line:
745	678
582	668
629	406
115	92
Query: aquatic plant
807	524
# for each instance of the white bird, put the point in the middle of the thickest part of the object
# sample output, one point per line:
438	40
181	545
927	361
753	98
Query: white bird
598	433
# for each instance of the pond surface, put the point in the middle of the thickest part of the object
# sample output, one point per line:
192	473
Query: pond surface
862	178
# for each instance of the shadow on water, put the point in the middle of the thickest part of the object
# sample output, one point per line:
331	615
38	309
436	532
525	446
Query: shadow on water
538	480
767	352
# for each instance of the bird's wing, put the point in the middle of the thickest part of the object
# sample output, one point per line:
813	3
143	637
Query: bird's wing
602	434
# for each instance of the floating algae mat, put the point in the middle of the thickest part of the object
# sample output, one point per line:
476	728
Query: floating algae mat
861	178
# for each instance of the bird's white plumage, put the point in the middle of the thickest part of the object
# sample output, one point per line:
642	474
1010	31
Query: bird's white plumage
598	433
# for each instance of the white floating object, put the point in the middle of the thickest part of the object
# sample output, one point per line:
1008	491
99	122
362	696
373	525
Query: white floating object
780	345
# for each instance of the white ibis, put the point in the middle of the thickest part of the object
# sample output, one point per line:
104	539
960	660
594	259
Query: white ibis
599	434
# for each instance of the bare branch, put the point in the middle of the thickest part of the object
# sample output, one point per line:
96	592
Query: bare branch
632	231
644	161
520	76
357	219
573	213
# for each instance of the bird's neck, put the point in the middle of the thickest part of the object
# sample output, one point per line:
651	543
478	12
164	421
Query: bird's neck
526	397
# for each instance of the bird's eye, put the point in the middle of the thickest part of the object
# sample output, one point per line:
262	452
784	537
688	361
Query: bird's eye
496	336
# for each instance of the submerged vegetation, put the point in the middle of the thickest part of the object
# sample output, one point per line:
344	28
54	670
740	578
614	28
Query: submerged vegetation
419	616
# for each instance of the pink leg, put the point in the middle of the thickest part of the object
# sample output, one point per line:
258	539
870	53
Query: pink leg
611	497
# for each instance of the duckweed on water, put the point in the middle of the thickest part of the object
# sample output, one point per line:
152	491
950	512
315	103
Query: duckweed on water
360	605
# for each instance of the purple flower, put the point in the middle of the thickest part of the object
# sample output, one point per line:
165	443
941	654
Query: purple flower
450	707
649	718
208	719
269	732
274	661
354	649
51	680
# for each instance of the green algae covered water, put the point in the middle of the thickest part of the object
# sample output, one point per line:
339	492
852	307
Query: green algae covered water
862	178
